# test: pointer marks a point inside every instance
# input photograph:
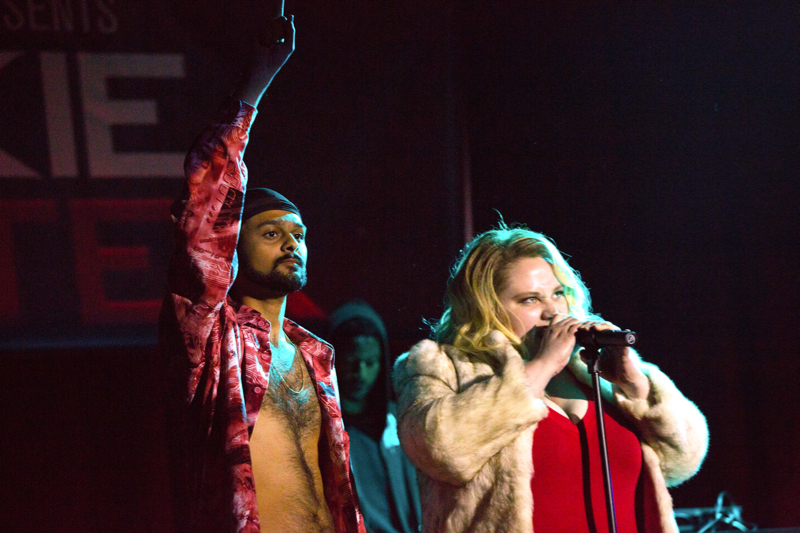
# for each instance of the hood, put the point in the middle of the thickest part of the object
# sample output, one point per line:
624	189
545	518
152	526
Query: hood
381	393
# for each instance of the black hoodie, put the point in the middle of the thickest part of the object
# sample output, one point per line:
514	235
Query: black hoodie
343	323
385	480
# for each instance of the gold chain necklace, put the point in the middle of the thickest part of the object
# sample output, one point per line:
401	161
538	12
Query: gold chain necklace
281	376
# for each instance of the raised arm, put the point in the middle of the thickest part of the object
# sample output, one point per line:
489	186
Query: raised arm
449	430
208	216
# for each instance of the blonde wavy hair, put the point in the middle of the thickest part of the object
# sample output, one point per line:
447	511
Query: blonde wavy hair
472	306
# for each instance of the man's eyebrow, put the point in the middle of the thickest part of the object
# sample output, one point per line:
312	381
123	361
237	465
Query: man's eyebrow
279	222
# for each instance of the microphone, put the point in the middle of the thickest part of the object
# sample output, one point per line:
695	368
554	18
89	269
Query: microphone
600	338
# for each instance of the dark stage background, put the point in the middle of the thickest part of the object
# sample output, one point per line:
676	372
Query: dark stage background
656	142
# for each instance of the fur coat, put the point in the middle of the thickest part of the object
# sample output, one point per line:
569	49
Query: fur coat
468	422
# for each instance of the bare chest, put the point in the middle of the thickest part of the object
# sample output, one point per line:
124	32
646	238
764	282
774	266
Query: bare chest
284	449
291	398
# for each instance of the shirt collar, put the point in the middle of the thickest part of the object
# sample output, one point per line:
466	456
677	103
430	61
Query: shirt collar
247	316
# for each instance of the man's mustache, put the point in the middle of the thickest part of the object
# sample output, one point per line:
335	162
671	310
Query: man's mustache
291	257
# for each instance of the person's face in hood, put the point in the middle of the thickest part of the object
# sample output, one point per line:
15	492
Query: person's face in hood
362	363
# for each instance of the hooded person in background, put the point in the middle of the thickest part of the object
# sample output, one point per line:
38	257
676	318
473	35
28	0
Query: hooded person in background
385	479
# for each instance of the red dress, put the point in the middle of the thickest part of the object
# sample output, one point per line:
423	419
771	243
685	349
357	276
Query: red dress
567	483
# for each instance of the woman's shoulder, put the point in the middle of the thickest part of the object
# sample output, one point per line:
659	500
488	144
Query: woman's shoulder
425	357
427	349
423	353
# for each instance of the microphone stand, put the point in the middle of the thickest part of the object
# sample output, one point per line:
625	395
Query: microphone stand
592	340
594	368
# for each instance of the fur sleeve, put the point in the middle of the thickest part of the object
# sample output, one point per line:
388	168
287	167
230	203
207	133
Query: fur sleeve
451	425
670	424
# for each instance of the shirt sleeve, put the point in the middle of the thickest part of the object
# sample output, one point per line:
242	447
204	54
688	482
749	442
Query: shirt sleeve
207	221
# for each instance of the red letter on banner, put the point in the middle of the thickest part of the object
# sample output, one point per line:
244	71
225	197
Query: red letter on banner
14	212
92	259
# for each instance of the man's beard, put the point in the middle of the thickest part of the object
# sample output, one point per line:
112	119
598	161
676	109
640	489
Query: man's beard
276	281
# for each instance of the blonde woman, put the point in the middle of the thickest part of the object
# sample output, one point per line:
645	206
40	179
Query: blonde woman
496	412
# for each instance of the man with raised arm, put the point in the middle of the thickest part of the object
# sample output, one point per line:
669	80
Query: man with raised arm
257	437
